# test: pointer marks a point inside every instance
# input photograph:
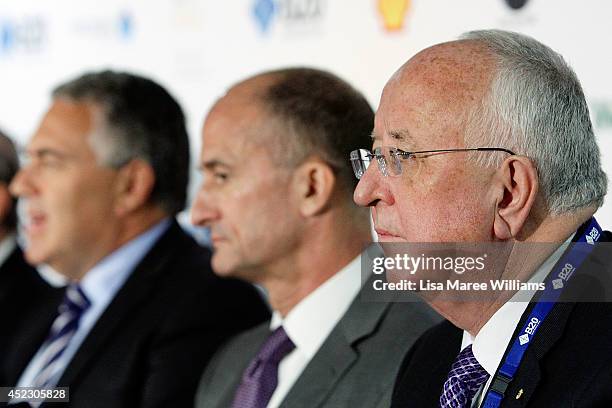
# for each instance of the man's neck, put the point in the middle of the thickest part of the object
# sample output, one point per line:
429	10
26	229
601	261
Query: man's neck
294	278
526	257
115	239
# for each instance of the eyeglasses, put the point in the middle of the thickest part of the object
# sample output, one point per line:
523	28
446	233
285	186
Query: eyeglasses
389	159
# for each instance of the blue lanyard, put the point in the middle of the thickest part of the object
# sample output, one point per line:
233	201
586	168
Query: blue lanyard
555	282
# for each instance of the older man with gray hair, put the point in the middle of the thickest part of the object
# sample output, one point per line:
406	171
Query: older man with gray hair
488	140
142	312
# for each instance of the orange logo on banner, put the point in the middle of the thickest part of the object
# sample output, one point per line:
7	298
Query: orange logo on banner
393	13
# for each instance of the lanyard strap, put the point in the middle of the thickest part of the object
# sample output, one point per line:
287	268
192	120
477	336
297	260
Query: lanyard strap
555	282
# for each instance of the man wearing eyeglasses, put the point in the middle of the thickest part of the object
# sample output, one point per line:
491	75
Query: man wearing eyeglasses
277	195
142	312
488	140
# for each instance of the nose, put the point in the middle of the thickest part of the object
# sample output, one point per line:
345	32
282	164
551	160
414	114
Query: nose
22	185
372	188
204	211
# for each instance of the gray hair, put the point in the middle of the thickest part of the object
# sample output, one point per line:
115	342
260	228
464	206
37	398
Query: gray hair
141	120
536	108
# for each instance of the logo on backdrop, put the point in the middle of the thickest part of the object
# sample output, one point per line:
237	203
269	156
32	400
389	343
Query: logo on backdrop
602	114
393	13
516	4
268	13
22	36
118	26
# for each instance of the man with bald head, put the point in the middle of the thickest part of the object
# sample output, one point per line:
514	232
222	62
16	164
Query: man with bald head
277	195
488	140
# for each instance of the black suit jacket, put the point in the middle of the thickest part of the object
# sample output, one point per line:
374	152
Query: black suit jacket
20	284
18	278
568	364
153	341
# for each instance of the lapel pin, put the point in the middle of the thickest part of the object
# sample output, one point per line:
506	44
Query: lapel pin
519	394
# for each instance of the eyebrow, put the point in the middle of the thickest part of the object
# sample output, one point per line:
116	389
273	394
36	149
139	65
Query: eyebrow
402	135
46	152
212	164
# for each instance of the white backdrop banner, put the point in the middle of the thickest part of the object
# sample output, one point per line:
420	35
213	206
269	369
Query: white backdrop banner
198	48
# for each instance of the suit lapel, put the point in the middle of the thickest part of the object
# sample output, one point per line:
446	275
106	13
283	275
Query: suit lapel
529	372
228	377
32	334
134	292
336	355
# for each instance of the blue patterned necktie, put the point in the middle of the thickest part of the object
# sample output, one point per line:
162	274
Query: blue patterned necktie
261	376
62	330
464	380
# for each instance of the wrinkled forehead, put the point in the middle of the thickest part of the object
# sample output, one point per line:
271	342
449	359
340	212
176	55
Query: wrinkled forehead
238	130
435	90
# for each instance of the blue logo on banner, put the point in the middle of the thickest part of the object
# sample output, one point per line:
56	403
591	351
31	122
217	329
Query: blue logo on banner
126	24
8	36
25	36
264	10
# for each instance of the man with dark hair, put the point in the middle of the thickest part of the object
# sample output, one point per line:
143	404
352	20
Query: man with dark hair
486	142
9	165
277	195
142	312
17	277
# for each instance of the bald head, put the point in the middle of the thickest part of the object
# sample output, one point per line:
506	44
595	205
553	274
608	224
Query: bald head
448	79
301	113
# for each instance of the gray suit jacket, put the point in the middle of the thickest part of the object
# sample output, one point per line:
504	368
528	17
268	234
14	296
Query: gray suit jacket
356	366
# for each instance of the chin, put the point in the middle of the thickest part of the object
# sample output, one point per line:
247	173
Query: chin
34	257
222	268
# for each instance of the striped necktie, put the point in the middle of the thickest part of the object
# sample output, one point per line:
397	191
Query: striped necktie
464	380
62	330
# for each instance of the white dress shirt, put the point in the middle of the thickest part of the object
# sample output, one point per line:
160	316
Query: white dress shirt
493	338
310	322
100	284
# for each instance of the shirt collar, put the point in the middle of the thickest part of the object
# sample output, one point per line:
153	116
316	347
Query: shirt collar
309	323
102	281
491	341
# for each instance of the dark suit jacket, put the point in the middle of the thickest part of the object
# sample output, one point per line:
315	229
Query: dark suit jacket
17	278
151	344
20	283
568	364
355	366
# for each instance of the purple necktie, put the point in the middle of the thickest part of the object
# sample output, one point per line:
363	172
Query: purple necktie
261	376
64	327
464	380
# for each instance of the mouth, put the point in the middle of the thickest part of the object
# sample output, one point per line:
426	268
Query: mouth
216	239
35	223
384	235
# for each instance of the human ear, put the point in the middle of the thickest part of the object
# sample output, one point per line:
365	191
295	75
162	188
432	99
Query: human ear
517	182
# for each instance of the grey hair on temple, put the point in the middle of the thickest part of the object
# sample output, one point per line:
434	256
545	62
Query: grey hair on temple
536	107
